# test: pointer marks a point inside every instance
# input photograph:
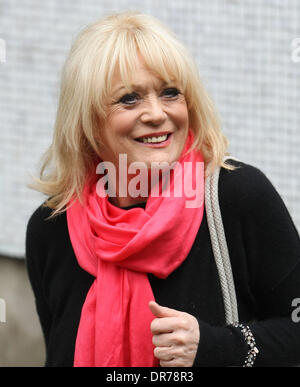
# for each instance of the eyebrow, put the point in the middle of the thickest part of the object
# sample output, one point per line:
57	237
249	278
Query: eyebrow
138	87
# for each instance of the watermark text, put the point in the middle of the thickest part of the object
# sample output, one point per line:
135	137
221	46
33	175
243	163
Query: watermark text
2	311
296	312
160	180
2	51
295	55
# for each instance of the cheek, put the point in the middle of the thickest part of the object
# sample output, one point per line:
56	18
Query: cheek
121	122
181	115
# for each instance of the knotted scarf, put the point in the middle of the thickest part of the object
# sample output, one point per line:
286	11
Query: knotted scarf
119	247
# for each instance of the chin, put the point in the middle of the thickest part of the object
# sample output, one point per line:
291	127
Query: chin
159	160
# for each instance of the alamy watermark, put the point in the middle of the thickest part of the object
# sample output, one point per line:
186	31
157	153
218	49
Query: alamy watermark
2	311
2	51
188	178
295	55
296	312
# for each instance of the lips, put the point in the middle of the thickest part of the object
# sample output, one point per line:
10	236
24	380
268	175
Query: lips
160	144
149	135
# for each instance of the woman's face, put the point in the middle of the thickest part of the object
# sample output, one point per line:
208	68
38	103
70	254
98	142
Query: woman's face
153	110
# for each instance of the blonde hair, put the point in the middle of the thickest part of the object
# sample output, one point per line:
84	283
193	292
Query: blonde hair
117	40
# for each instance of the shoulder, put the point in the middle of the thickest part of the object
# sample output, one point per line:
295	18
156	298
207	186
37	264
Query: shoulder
44	237
244	177
41	219
246	195
258	226
42	229
246	187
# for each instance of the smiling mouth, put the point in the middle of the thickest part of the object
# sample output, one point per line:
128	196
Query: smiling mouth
158	139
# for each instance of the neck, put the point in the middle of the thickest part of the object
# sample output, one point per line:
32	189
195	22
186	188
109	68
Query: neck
127	201
129	192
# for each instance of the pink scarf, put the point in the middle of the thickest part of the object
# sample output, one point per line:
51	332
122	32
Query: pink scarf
119	247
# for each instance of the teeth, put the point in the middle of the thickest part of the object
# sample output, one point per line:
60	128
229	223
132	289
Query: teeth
154	139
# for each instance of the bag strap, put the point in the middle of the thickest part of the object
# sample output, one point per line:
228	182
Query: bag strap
219	246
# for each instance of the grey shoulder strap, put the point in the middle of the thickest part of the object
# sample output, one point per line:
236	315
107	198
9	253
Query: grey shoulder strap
219	246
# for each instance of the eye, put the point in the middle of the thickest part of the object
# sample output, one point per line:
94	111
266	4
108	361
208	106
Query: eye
171	92
129	99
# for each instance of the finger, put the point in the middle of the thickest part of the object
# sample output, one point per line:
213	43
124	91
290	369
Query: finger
162	311
164	325
171	363
163	353
162	340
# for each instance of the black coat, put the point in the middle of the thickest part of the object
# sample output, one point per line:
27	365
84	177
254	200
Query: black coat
264	248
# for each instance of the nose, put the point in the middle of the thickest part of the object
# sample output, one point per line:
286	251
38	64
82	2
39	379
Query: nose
153	112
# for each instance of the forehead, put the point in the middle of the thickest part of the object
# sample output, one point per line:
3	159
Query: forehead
139	75
143	78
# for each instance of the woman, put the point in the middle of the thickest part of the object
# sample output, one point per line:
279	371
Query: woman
123	277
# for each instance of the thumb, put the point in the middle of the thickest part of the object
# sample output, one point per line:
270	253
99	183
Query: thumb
162	311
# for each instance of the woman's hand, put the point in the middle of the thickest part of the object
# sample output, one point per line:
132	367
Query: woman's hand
176	336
